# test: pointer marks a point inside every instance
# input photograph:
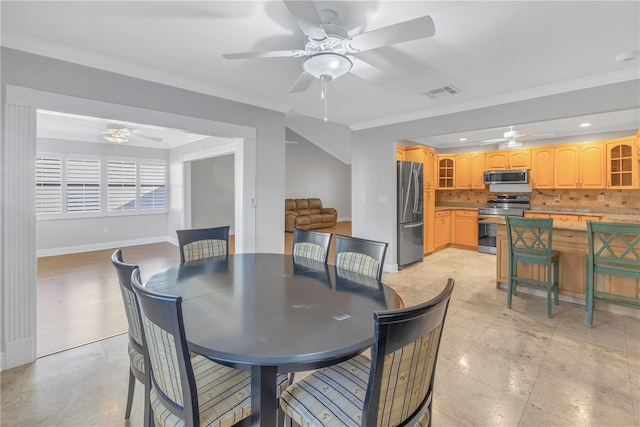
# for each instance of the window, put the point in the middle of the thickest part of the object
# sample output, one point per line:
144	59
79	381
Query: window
76	185
83	185
152	186
122	189
48	185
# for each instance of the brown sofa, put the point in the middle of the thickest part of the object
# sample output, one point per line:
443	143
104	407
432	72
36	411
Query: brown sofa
307	214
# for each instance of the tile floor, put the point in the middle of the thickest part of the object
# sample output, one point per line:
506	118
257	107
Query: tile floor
497	367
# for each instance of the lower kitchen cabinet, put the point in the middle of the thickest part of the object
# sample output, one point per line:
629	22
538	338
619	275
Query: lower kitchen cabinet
442	229
465	228
573	246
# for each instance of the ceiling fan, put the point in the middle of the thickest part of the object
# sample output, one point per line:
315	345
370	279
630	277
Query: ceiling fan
119	134
329	51
513	138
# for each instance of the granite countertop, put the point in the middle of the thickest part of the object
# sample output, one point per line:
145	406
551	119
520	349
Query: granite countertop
557	225
455	206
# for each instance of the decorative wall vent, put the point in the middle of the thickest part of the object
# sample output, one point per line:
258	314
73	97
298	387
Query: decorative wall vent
442	91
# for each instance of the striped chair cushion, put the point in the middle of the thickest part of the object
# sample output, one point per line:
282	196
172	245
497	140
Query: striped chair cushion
310	250
360	263
137	358
334	396
224	395
204	249
131	310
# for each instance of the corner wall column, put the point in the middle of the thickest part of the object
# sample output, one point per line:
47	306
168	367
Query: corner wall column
18	264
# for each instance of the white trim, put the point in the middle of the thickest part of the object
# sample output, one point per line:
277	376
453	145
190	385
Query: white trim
1	362
104	245
344	219
523	95
77	56
19	351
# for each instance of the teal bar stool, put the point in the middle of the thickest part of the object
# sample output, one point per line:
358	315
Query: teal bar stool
529	241
614	249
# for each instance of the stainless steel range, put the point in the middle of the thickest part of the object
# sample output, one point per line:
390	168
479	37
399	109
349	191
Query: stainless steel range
503	205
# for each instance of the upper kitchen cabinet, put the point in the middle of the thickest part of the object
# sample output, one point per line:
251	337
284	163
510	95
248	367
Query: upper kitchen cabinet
399	153
426	156
468	171
542	167
580	166
622	163
446	171
508	159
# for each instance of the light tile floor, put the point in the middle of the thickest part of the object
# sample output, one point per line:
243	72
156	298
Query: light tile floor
497	367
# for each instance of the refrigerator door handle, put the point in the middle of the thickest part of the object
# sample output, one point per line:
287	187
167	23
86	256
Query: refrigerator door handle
418	224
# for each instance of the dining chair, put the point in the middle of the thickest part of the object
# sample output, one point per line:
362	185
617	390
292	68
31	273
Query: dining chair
394	387
529	240
311	244
360	255
188	389
136	341
202	243
614	250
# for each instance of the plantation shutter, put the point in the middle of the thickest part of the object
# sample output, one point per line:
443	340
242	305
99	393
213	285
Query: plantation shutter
48	185
121	177
83	185
152	185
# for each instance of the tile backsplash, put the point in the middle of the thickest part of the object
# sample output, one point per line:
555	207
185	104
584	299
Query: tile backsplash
600	200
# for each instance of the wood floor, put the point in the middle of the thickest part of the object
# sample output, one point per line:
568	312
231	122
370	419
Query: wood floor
79	300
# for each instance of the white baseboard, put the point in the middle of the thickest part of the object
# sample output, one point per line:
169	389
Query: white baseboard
344	219
1	362
19	352
105	245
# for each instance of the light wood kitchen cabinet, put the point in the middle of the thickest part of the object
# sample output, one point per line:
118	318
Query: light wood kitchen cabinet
536	215
508	159
442	228
572	245
465	228
622	163
399	153
446	171
468	171
579	166
542	168
429	221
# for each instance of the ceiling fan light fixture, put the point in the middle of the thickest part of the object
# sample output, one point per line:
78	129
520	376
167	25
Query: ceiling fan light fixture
116	139
329	65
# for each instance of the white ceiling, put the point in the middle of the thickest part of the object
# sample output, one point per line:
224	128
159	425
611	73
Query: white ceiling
492	52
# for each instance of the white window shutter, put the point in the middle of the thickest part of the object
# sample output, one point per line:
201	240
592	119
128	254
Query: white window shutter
121	177
83	185
153	186
48	185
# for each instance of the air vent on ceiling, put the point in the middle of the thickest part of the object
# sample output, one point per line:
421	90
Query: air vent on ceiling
442	91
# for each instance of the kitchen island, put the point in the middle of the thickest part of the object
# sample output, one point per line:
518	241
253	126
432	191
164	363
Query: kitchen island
570	239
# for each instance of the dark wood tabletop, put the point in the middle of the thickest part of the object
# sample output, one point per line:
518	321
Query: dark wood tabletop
269	313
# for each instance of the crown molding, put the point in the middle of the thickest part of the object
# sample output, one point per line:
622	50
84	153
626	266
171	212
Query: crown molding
88	59
523	95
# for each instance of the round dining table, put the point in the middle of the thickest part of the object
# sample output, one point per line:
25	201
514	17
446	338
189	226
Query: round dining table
273	313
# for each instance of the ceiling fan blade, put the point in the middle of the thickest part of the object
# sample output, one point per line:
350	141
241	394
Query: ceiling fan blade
535	135
307	17
364	70
303	82
269	54
402	32
490	141
150	138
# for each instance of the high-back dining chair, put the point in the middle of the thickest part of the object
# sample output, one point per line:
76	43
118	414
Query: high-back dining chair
136	340
529	240
186	390
311	244
614	249
360	255
202	243
394	387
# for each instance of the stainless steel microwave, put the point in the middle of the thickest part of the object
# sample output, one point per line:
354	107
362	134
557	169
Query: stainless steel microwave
506	177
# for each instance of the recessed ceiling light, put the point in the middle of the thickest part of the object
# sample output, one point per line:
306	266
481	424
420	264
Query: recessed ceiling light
585	125
463	139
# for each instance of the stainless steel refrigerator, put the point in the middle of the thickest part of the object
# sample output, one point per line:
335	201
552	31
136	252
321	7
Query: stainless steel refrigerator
410	217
